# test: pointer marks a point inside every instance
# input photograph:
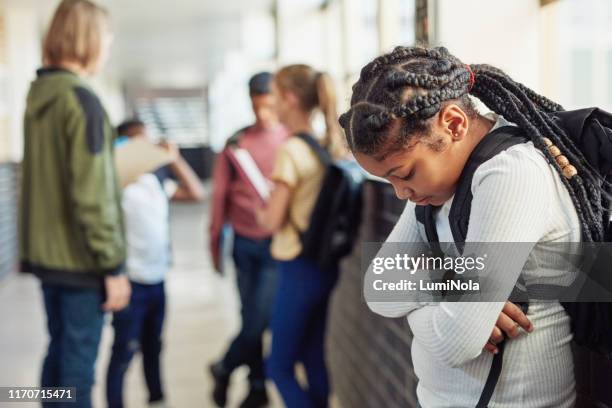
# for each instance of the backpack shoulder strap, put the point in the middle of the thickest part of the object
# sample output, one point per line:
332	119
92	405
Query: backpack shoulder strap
424	215
319	150
494	143
235	138
232	143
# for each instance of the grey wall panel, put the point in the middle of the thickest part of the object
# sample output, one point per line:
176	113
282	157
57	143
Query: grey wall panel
8	217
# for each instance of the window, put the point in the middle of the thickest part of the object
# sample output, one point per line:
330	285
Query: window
369	21
582	77
406	22
177	116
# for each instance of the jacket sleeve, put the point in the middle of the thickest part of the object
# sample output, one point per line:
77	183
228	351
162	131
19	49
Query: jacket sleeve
93	182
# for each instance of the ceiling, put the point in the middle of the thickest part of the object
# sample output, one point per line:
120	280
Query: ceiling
180	40
171	40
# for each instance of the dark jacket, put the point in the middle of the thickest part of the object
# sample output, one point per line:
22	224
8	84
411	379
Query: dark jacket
71	228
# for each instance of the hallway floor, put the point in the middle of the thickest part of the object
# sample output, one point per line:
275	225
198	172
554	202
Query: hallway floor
202	316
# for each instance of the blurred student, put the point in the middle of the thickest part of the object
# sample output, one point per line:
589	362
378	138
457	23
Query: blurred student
234	197
145	205
71	229
300	310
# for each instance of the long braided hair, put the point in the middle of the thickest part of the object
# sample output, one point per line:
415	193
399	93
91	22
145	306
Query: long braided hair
407	87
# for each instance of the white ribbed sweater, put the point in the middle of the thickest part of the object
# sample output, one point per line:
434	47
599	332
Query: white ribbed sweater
517	197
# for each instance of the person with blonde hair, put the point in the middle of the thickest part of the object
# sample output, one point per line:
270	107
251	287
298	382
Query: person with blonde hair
300	310
71	228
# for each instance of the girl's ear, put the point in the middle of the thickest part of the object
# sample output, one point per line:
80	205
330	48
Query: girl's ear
454	121
291	99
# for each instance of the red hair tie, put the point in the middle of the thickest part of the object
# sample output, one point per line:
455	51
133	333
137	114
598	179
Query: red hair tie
472	77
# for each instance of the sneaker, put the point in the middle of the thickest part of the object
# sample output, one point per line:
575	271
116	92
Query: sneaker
257	398
221	380
158	404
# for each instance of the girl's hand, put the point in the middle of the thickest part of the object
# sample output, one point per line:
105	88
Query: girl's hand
509	321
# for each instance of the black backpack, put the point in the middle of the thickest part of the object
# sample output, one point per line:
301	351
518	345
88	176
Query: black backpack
591	322
335	219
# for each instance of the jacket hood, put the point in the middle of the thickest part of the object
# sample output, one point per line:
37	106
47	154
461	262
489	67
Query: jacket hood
49	84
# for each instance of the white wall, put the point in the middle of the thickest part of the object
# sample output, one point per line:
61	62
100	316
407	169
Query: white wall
229	105
22	51
228	99
307	34
578	44
502	33
299	32
562	50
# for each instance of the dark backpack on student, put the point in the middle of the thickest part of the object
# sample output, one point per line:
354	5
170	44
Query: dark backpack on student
591	322
336	215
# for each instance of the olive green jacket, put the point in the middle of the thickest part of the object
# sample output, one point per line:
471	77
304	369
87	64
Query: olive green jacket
71	227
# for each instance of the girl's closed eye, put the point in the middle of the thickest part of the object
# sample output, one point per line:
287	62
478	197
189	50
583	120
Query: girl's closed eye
409	175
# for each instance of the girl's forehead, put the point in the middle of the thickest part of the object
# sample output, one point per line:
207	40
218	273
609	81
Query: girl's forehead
401	156
396	149
385	166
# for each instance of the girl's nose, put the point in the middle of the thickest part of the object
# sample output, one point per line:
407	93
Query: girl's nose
403	192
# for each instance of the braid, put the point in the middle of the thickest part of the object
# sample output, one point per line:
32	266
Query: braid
432	76
583	188
538	100
411	85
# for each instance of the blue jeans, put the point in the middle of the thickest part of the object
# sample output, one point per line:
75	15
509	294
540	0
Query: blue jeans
298	332
137	327
256	275
74	321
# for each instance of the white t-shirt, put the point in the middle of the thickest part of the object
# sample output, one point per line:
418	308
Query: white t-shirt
146	213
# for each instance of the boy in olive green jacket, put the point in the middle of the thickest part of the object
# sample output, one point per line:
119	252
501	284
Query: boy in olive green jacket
71	225
71	230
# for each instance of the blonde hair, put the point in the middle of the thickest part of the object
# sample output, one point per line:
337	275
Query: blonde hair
75	34
314	89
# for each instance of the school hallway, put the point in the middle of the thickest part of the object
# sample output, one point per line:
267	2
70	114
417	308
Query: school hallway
180	72
202	315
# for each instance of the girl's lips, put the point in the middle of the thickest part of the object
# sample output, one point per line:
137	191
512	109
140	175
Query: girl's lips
422	201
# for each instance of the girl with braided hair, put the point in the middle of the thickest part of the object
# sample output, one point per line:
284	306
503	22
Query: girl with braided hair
412	121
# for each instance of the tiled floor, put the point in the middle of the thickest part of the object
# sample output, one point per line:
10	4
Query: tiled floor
202	316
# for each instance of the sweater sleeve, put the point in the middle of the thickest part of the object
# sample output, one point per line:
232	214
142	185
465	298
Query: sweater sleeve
511	194
405	230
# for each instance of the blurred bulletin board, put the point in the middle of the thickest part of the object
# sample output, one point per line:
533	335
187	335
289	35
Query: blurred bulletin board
177	115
